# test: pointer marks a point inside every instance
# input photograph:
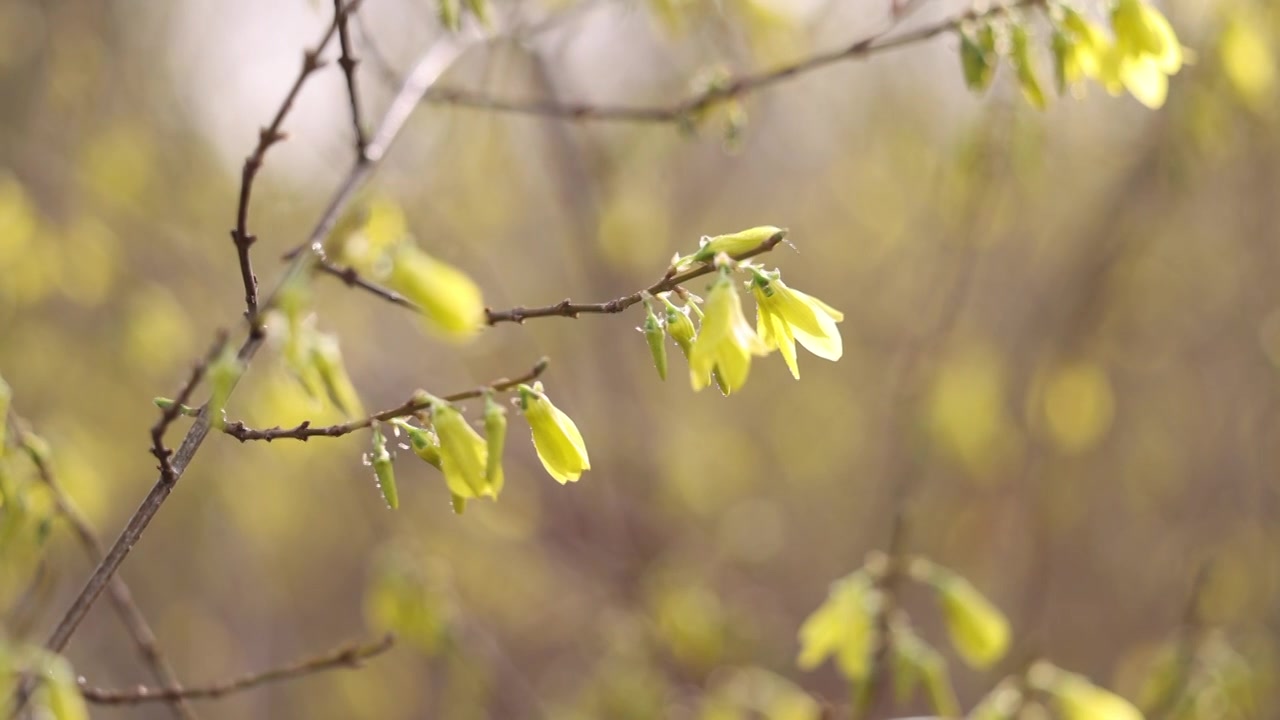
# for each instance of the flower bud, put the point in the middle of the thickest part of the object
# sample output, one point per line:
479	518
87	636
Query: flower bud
656	336
495	432
383	470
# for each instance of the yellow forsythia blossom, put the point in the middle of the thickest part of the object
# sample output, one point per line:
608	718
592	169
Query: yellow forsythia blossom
449	299
784	315
726	341
464	455
1146	52
556	438
979	631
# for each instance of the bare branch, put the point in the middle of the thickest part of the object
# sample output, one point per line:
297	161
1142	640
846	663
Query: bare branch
351	655
420	79
734	88
348	63
568	308
353	279
304	431
268	136
144	639
169	414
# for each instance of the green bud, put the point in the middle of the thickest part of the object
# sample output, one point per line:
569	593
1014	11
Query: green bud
656	336
423	442
224	372
458	502
735	244
1025	69
383	469
978	58
495	431
451	15
327	358
6	398
680	327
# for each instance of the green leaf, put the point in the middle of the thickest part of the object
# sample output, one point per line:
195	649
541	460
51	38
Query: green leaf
224	372
978	58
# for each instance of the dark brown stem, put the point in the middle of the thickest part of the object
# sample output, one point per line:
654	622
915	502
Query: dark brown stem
144	639
732	89
304	431
348	63
267	137
353	279
569	308
352	655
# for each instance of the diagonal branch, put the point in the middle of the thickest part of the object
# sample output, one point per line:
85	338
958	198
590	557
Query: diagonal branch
348	63
569	308
304	431
351	655
144	639
732	89
419	80
353	279
269	136
170	414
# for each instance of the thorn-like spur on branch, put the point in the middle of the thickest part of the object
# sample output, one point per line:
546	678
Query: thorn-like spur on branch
144	639
348	63
304	431
568	308
348	656
168	474
268	136
353	279
731	89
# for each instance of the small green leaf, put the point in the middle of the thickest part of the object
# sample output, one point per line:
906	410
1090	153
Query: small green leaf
224	372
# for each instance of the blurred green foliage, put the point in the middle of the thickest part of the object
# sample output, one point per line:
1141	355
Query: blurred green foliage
1061	347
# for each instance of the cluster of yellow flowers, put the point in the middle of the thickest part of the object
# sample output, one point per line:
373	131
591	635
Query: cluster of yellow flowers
471	463
1140	54
721	348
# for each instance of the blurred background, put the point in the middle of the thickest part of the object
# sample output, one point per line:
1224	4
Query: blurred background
1062	338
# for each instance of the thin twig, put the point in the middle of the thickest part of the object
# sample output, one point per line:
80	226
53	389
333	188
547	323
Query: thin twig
144	639
353	279
352	655
889	583
348	62
732	89
304	431
571	309
174	410
420	79
267	137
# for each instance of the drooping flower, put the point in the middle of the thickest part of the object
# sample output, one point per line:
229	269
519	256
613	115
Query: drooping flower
1146	52
680	327
495	433
785	315
655	335
464	455
556	438
383	470
843	626
979	631
726	341
450	300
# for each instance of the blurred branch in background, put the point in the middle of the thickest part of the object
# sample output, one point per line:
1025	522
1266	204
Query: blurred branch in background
350	656
144	639
348	63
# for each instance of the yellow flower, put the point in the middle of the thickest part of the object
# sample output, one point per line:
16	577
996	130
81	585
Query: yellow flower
449	299
733	244
555	436
843	626
784	315
1079	699
726	342
979	631
1146	52
464	455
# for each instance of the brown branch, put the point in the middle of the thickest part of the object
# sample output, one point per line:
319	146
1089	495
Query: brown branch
303	431
733	89
571	309
352	655
144	639
267	137
348	63
420	79
353	279
171	413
